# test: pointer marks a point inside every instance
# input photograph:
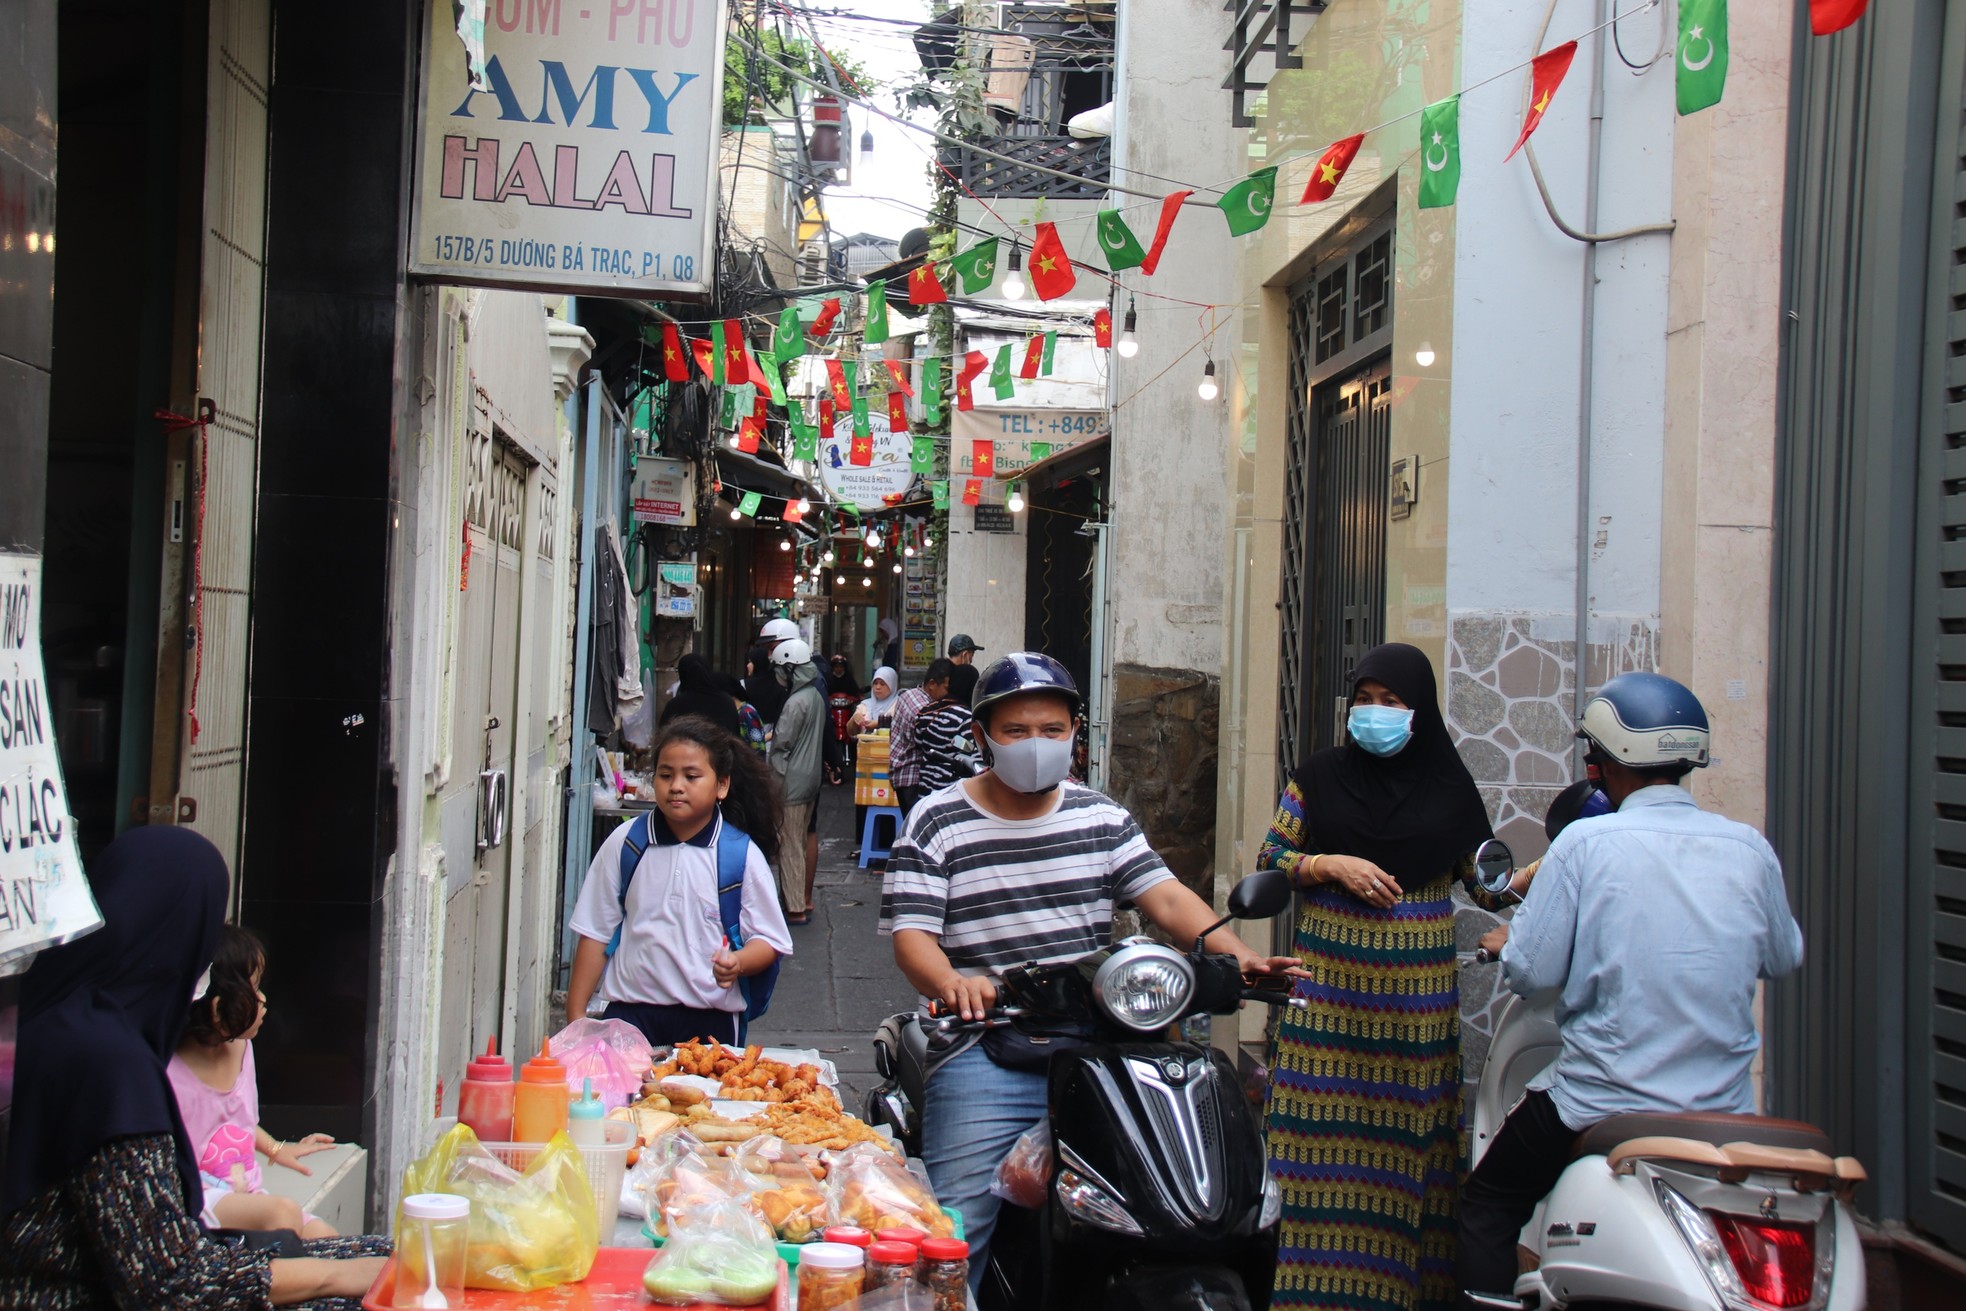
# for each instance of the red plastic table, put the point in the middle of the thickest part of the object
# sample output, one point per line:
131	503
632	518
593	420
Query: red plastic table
614	1283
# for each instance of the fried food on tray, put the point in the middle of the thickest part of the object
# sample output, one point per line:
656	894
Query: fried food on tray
745	1077
817	1121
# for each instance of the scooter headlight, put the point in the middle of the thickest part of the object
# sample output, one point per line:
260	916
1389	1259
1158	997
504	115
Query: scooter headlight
1145	985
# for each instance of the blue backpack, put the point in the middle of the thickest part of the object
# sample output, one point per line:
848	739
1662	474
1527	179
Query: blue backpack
733	851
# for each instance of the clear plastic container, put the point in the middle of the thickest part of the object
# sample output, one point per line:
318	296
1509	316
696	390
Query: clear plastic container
433	1231
891	1264
945	1273
831	1276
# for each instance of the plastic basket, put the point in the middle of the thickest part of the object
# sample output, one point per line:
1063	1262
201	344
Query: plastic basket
605	1167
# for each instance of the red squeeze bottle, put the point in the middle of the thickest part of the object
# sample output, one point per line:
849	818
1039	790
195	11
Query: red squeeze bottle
484	1099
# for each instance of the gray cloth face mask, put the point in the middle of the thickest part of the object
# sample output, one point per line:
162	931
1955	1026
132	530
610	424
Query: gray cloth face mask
1033	764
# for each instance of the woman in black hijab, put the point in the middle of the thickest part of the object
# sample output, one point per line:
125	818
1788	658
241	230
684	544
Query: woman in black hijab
102	1192
700	691
1365	1092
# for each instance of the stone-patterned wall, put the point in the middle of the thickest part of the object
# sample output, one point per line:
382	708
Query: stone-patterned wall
1509	701
1163	763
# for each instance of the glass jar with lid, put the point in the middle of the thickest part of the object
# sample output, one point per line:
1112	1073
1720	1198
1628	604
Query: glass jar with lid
945	1273
831	1276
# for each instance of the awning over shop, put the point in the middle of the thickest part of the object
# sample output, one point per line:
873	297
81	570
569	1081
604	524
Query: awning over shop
756	475
1068	463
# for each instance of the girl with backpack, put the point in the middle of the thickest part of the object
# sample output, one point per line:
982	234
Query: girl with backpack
678	922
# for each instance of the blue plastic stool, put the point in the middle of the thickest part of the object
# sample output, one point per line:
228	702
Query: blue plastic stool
869	853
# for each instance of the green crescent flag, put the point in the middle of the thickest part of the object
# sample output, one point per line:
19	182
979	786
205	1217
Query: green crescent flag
939	493
932	388
1040	451
1050	353
749	505
1700	69
977	266
717	352
727	413
876	330
1247	204
789	342
1117	242
1440	153
1000	379
805	441
922	457
774	382
862	427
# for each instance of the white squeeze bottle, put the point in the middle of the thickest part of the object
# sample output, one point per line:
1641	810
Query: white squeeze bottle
587	1118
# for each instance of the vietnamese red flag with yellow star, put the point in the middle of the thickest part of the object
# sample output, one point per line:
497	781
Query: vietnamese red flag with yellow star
675	360
760	406
748	435
1545	76
1170	209
705	351
983	458
825	419
897	376
1033	357
897	412
973	491
836	381
1826	16
1051	269
829	313
860	451
1329	171
925	285
1102	330
973	365
736	358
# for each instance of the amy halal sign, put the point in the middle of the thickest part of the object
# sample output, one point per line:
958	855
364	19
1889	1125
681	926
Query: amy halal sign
584	156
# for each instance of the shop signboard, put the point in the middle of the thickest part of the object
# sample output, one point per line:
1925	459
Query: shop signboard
664	491
44	898
584	158
919	612
1020	438
867	486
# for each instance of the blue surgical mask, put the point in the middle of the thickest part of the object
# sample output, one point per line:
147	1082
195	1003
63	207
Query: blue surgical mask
1382	730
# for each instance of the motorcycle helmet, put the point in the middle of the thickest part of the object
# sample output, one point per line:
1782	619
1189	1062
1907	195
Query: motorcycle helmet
1581	800
1647	721
1020	672
778	630
795	651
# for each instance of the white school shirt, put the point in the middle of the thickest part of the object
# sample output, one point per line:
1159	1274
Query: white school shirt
673	922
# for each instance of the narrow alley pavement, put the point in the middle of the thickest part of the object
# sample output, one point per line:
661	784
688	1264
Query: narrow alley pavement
841	981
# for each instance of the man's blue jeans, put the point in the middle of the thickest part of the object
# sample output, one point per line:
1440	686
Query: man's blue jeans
974	1113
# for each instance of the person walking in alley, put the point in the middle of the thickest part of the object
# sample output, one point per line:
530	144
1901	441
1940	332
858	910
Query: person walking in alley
1015	866
798	754
903	755
963	649
1364	1103
663	935
700	691
1656	922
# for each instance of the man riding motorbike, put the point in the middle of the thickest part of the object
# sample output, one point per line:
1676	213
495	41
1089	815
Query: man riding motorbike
1655	922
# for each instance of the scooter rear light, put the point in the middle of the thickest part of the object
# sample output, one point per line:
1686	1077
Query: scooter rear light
1776	1260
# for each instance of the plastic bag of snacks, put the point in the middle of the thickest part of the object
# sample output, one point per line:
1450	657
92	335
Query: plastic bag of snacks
787	1187
871	1189
1026	1173
719	1253
685	1179
613	1053
528	1231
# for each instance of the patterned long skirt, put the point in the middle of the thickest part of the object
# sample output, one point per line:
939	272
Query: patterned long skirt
1365	1107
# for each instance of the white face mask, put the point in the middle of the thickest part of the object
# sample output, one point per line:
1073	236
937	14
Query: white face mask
1034	764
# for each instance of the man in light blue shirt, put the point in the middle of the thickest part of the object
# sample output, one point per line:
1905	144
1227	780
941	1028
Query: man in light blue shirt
1655	924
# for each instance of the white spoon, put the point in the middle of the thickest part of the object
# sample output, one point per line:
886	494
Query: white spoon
433	1298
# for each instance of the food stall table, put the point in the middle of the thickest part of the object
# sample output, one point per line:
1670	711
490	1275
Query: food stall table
614	1284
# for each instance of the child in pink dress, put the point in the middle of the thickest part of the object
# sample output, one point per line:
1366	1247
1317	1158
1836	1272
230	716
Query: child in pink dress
218	1096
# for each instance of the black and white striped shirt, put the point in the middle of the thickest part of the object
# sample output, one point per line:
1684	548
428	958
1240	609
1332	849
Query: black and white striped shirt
1006	892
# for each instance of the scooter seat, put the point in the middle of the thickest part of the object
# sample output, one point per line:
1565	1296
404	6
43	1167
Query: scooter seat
1713	1127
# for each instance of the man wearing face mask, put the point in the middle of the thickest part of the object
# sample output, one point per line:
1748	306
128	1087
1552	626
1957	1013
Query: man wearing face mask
1655	921
1015	866
798	754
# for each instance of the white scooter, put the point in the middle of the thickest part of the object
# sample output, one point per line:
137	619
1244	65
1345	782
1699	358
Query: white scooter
1691	1211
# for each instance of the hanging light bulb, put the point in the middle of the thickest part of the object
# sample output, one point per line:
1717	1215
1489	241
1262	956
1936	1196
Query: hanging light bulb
805	506
1129	345
1424	357
867	141
1015	501
928	540
897	566
1013	285
1207	389
735	514
873	539
828	557
866	582
784	543
908	551
841	580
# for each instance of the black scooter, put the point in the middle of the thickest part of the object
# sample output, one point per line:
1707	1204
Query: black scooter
1159	1193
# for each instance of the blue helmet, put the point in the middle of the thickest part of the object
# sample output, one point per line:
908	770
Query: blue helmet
1647	721
1019	672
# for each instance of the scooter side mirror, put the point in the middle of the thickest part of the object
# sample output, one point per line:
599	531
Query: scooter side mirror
1494	866
1263	894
